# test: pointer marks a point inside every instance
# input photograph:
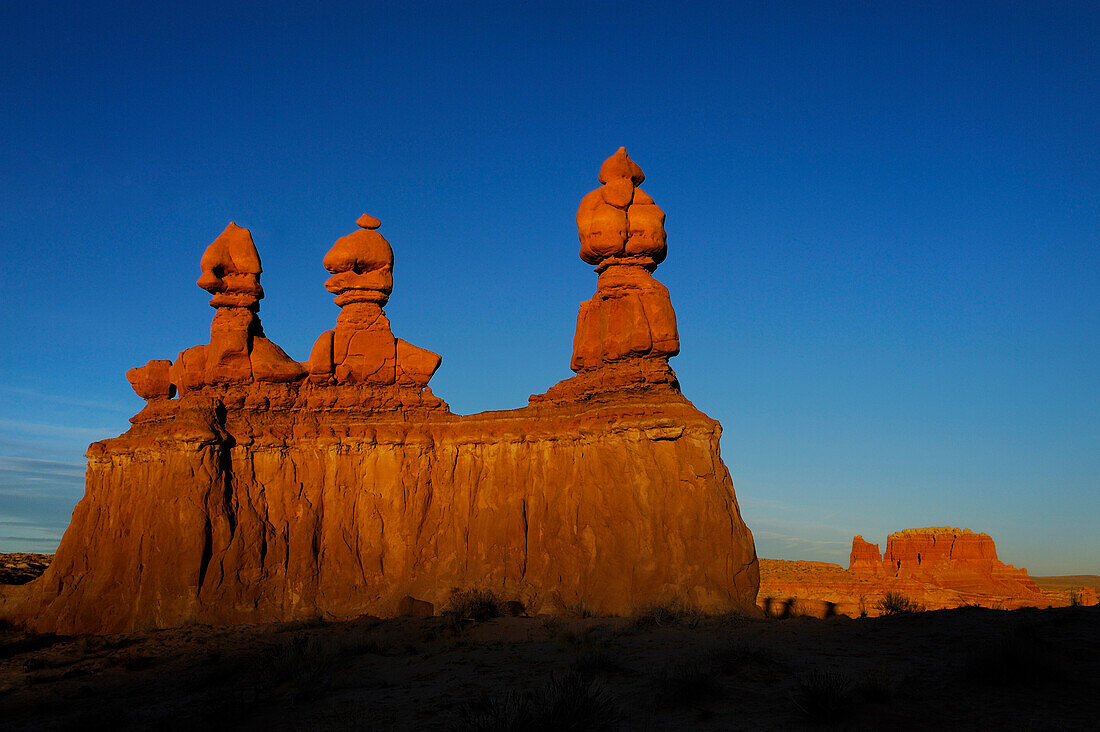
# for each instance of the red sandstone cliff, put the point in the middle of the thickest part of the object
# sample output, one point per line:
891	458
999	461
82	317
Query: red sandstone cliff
272	490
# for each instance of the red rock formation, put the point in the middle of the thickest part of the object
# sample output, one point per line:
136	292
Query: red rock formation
263	493
865	557
954	559
238	351
934	567
362	349
627	332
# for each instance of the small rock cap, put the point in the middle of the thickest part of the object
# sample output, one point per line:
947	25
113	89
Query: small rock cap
366	221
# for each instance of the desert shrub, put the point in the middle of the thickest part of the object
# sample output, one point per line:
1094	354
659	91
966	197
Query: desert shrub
823	696
895	603
571	702
474	604
1075	598
580	609
304	661
672	612
687	683
505	712
877	685
567	702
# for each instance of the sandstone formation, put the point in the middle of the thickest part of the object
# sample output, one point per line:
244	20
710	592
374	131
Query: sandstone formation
627	332
865	557
934	567
362	349
954	559
269	489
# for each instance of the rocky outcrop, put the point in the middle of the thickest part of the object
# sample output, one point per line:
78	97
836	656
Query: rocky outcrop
627	332
272	490
955	559
935	568
865	558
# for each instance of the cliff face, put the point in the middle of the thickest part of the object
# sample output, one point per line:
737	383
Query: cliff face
865	557
197	518
273	490
935	567
954	559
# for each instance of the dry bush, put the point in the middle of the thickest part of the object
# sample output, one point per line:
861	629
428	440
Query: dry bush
895	603
305	661
671	612
877	685
474	604
566	703
823	697
1075	598
580	609
687	683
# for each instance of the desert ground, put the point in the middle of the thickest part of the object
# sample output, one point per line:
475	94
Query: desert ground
666	669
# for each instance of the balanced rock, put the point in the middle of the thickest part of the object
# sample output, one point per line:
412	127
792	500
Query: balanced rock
269	491
238	352
627	332
362	349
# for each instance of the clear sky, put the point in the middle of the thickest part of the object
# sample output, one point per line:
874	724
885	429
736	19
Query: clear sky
883	229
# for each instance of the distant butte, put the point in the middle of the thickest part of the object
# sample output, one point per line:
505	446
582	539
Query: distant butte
253	487
936	567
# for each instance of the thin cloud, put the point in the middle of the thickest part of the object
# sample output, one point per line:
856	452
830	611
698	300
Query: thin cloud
801	542
54	430
41	465
67	400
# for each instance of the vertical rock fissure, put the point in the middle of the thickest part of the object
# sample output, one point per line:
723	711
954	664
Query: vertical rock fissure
523	570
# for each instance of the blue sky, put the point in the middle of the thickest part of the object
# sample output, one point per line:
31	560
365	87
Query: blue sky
882	224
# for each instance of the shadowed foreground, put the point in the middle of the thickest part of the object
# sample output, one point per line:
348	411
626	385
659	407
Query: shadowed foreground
969	668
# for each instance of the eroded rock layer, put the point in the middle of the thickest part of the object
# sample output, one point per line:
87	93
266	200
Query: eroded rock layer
934	568
270	489
211	515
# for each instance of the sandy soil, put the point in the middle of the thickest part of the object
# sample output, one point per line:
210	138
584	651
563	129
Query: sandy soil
970	668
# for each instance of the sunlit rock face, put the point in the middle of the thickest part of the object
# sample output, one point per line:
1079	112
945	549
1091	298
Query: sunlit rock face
270	489
956	559
935	568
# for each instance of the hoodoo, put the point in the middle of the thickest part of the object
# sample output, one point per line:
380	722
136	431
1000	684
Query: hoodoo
256	488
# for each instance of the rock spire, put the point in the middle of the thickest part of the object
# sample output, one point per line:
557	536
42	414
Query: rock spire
362	349
627	332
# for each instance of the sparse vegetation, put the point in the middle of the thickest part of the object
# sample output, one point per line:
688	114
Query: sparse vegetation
687	683
305	661
895	603
477	605
567	702
671	612
823	696
1075	598
580	609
